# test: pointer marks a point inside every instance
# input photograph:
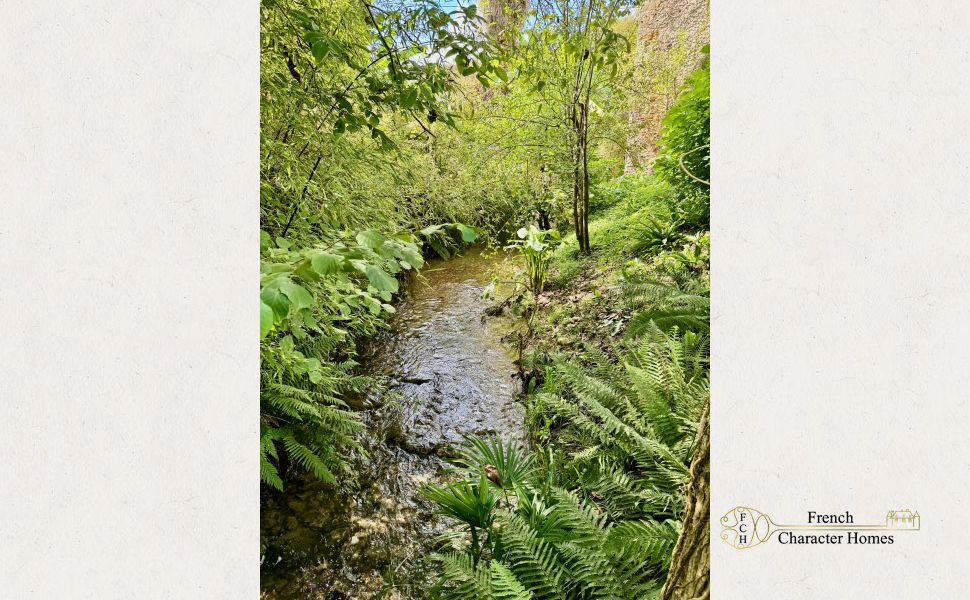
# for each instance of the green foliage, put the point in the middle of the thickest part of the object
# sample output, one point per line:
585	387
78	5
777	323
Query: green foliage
470	503
536	246
635	218
685	158
658	236
315	302
633	192
574	57
596	514
694	255
603	523
447	238
391	132
512	466
675	298
630	429
349	109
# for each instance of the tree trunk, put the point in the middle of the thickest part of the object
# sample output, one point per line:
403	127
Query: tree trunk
578	217
578	122
543	218
577	119
689	577
584	147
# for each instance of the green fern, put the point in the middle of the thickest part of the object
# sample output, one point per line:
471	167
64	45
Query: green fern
609	531
606	525
305	419
461	578
679	302
505	586
267	450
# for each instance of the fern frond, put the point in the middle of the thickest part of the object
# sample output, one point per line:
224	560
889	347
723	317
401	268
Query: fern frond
268	473
461	579
504	584
534	561
306	457
638	544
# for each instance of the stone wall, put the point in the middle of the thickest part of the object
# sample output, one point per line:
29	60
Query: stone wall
503	18
670	35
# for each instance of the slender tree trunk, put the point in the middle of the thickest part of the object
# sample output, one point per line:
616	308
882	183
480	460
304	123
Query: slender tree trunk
584	164
577	217
577	121
543	200
543	218
689	577
296	207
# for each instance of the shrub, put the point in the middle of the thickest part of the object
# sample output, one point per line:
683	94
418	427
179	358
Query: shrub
685	161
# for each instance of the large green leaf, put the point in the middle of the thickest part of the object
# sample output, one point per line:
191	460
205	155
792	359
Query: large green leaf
265	319
430	230
412	256
408	97
468	234
380	279
371	238
325	263
299	297
319	45
277	300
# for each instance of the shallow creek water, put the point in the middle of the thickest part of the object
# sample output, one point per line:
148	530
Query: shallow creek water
447	374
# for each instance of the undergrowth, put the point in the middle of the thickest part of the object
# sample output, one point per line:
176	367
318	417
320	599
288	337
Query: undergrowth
617	379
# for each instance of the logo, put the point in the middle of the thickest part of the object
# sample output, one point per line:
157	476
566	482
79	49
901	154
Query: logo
745	528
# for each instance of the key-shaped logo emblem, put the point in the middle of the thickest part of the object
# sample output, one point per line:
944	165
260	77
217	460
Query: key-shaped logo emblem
745	527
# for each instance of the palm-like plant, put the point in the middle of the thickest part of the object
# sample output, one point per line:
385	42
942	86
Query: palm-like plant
659	235
554	545
470	503
503	463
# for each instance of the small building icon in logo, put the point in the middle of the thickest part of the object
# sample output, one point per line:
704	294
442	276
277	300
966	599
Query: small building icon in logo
902	519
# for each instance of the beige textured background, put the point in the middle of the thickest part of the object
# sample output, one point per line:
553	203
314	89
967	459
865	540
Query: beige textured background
841	287
128	370
128	251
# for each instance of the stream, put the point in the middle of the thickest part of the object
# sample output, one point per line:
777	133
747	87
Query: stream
446	374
